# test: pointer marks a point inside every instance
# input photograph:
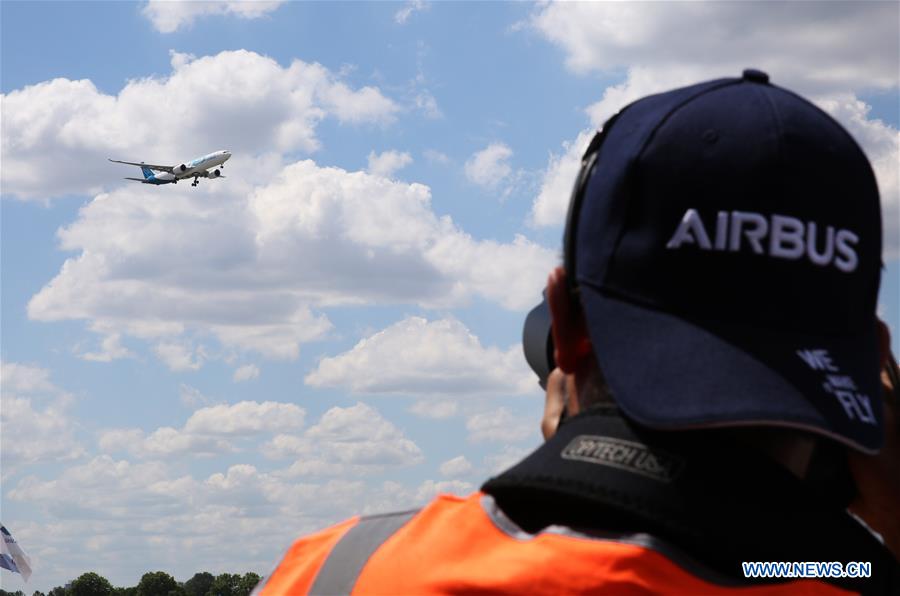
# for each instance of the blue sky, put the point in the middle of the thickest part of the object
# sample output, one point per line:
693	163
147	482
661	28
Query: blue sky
334	327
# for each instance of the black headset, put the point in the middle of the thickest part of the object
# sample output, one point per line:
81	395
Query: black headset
588	163
537	338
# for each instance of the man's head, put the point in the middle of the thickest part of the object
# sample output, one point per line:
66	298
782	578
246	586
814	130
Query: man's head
722	265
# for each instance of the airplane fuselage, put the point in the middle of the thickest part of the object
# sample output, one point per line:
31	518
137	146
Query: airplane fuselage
201	164
202	167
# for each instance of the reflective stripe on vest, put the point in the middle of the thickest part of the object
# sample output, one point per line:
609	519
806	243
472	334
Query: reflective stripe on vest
353	550
457	545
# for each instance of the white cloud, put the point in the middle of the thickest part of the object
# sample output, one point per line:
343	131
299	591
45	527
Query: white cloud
436	157
427	104
411	6
500	425
105	510
169	16
111	348
552	202
163	442
180	357
25	378
811	48
504	459
245	373
420	358
881	143
431	488
34	417
210	430
458	466
345	440
394	496
490	166
437	410
246	417
246	264
388	162
234	99
192	397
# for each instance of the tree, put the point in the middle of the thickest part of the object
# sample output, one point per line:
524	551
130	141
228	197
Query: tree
91	584
225	584
200	584
58	591
247	583
158	583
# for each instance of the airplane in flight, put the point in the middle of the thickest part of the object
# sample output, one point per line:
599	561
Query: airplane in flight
196	169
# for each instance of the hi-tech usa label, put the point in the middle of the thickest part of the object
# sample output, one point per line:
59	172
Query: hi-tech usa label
625	455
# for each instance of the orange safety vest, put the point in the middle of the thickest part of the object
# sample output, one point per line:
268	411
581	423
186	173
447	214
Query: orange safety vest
467	545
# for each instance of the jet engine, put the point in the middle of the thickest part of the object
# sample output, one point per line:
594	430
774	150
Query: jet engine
181	168
215	174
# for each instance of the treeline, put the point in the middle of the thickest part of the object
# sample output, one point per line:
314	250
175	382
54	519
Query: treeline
155	583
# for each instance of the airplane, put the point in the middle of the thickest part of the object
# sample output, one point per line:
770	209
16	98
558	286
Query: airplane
196	169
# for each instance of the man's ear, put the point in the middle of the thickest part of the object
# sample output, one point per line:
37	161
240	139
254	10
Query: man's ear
570	337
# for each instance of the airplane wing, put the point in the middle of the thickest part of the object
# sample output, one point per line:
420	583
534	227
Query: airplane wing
138	179
169	169
206	174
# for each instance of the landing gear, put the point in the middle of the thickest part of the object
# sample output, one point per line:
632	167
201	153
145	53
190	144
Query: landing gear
196	181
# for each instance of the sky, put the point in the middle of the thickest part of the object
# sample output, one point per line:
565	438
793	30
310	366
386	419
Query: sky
194	377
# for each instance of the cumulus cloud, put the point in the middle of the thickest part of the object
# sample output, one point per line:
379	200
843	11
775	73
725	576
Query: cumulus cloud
435	409
35	418
179	356
552	202
394	495
500	425
807	47
246	417
192	397
490	166
416	357
163	442
169	16
248	264
107	509
427	104
458	466
208	431
504	459
111	348
345	440
25	378
245	373
388	162
811	47
411	6
436	157
234	99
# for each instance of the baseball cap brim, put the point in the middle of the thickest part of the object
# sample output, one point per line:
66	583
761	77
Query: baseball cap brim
670	373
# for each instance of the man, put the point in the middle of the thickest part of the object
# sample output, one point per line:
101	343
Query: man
718	358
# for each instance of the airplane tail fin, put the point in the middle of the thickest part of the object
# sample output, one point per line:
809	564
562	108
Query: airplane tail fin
148	173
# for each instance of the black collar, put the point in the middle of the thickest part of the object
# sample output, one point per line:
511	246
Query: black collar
718	502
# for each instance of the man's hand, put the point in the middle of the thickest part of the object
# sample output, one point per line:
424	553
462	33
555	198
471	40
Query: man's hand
554	402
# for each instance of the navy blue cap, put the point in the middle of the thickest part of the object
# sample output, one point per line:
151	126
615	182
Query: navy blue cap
728	256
